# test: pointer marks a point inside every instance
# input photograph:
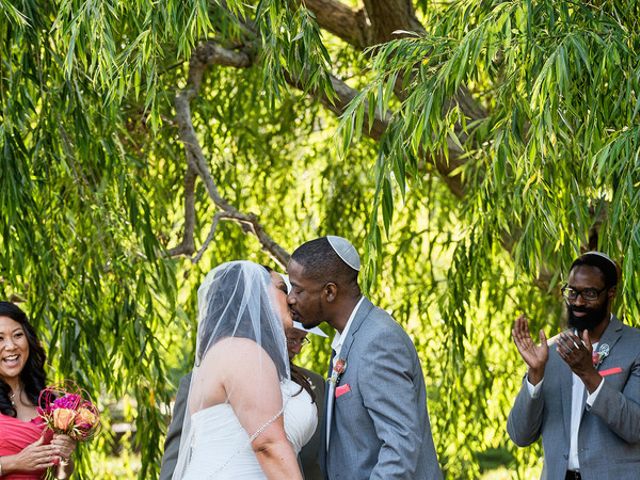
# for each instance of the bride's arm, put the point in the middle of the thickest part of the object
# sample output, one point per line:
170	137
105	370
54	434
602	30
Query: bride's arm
253	390
275	454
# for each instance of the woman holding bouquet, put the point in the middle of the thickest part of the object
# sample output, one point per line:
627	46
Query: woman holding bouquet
26	449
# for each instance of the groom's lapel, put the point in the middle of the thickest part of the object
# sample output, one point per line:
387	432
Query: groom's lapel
363	312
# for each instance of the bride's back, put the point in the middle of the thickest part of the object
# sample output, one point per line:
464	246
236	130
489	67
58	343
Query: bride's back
234	370
221	448
234	407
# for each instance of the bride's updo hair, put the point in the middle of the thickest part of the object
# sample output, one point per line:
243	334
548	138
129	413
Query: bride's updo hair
235	301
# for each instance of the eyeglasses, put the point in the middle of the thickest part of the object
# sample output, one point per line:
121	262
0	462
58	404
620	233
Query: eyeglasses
587	294
298	341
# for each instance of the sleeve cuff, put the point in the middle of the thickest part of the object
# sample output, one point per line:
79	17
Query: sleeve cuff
591	398
534	391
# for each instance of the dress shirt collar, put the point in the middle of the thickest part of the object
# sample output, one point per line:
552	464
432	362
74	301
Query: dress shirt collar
338	339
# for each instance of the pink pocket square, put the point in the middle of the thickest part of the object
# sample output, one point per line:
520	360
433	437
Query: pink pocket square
610	371
342	389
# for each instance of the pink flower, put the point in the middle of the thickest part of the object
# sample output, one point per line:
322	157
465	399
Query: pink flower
340	366
70	401
338	369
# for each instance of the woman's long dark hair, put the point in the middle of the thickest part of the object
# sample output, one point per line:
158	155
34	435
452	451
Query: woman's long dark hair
32	376
298	376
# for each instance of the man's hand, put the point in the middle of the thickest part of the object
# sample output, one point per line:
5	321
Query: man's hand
535	356
578	354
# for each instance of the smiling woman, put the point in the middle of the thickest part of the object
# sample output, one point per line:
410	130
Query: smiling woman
26	449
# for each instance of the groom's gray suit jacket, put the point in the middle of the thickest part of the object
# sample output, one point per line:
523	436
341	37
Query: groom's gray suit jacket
609	433
172	442
380	428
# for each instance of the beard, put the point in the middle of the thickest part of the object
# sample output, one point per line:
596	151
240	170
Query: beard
594	316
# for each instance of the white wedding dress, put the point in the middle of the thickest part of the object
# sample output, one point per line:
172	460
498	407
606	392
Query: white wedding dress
221	448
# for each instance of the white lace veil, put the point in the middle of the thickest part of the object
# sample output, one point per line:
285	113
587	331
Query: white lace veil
236	299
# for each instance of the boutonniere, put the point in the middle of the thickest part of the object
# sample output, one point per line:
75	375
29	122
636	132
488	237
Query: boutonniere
600	355
338	369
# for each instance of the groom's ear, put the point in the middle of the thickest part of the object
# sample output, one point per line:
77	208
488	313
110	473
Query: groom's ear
330	292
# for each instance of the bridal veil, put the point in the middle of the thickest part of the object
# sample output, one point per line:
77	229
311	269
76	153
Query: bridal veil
236	299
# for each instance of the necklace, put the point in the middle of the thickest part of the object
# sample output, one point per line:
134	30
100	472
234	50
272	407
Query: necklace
12	396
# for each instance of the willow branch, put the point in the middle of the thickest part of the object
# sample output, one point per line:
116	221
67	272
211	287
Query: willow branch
206	55
379	22
210	54
187	246
445	165
350	25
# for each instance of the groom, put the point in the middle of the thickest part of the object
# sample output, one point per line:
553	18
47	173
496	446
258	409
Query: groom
377	425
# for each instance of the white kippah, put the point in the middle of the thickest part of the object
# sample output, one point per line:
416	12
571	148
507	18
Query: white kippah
345	251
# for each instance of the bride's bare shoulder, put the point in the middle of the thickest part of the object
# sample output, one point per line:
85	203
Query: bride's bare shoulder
235	348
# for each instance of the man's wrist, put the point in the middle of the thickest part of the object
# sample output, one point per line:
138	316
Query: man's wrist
6	467
535	375
591	380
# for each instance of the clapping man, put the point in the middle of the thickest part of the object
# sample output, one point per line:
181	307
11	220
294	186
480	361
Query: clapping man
582	396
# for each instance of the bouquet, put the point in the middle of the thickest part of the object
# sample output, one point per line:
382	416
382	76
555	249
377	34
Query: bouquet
66	411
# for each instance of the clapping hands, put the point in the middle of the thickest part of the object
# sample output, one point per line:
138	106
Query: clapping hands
578	354
535	356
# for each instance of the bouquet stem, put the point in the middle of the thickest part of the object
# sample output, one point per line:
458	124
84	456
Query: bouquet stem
61	470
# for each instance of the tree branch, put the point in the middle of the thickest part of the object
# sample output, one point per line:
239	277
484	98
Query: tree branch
212	231
206	55
209	54
377	24
187	246
352	26
389	16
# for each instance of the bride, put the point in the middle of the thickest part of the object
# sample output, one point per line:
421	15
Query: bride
241	398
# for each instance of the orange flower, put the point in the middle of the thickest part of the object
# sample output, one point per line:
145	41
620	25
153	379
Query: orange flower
63	418
85	418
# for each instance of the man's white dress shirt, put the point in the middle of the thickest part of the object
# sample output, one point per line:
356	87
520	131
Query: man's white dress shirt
577	393
336	346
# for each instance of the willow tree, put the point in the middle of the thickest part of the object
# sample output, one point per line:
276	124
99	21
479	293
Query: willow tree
469	149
